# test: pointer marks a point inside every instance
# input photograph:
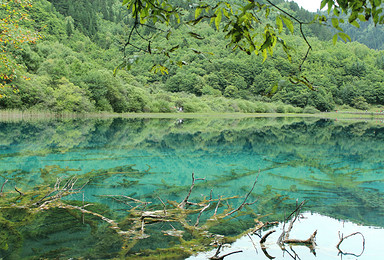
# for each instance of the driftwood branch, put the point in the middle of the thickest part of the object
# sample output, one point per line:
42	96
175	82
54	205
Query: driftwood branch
342	238
310	241
59	192
2	187
201	212
162	202
245	200
264	249
253	243
217	206
21	194
262	225
217	257
126	197
114	224
285	234
185	201
264	238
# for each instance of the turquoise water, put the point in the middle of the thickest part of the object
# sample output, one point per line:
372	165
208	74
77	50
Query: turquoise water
336	167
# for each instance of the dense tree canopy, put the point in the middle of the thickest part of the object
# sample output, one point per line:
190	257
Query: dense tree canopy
14	33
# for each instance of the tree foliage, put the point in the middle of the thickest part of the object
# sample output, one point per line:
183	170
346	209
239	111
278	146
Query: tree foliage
243	24
194	68
13	36
250	26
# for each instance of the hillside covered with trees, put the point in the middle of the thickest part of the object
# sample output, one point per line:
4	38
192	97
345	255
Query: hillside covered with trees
70	69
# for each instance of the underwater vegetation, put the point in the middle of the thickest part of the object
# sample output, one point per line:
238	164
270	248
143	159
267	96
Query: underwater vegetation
66	214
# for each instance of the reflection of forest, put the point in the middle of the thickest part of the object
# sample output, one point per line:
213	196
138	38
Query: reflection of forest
336	166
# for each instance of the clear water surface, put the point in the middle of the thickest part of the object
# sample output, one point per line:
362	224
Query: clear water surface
337	167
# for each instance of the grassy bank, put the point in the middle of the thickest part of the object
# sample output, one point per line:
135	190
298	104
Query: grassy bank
16	115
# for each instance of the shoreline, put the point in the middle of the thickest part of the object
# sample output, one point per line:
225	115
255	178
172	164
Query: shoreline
16	115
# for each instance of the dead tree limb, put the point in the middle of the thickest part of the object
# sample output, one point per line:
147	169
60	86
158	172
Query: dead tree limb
310	241
201	212
297	211
285	234
185	201
245	200
342	238
126	197
264	238
260	225
294	256
253	243
162	202
264	249
217	206
68	188
217	257
139	202
113	224
2	187
21	194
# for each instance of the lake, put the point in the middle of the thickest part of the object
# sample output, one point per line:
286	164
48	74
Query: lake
118	187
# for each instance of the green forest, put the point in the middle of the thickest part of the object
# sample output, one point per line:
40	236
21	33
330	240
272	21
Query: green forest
71	68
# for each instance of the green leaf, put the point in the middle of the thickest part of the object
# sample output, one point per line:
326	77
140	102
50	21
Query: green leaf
177	17
265	55
288	23
225	12
323	3
218	18
353	17
356	24
267	43
285	48
336	11
267	11
330	4
249	6
344	36
279	24
335	22
334	39
198	12
361	18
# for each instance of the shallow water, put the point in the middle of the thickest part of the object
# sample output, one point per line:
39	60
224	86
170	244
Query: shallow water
337	167
363	245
